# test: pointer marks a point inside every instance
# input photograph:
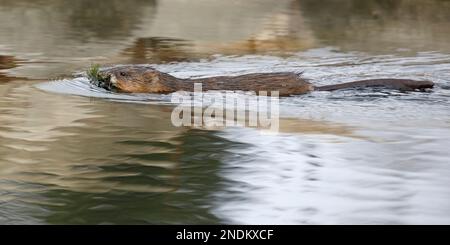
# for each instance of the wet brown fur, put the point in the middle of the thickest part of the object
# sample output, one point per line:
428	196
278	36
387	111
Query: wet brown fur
142	79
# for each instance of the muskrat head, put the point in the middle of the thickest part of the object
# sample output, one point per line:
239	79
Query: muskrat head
134	79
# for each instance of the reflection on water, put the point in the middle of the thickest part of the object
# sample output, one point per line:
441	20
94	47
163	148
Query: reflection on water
159	50
335	180
95	159
58	37
345	157
380	26
6	62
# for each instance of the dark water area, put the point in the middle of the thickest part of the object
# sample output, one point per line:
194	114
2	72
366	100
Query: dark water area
73	154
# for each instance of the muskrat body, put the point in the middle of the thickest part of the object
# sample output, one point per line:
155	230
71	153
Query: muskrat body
142	79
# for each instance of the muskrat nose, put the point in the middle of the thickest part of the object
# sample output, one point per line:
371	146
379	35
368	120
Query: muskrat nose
104	81
104	77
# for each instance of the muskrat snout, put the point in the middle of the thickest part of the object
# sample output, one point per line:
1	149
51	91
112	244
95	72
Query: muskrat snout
105	81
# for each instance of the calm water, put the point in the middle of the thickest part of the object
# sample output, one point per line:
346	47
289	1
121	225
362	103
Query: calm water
71	153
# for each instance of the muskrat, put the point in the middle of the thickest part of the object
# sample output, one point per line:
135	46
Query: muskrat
144	79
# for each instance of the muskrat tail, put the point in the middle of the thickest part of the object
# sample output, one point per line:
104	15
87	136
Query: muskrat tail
398	84
332	87
339	86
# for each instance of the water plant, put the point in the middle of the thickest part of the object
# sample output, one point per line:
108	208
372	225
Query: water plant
93	72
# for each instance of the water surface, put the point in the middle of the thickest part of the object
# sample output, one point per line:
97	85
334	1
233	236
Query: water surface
72	153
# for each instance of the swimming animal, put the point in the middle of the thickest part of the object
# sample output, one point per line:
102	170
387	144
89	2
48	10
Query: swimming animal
144	79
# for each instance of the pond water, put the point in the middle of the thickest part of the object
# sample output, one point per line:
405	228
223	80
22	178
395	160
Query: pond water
71	153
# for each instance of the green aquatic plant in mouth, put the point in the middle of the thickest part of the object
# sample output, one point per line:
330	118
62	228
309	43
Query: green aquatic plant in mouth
98	78
93	73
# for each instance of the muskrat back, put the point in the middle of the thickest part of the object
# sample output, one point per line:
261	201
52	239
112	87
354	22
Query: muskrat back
285	83
137	79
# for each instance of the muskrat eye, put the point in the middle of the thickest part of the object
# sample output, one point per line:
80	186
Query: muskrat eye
123	74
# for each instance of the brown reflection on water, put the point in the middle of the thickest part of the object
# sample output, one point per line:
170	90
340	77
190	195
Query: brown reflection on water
283	31
381	26
205	28
68	159
159	50
70	131
57	38
292	126
384	26
6	62
106	19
